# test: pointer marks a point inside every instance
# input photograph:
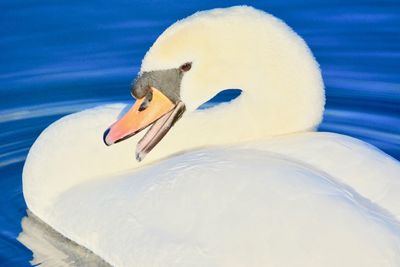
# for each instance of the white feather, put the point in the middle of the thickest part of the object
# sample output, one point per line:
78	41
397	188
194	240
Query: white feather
251	184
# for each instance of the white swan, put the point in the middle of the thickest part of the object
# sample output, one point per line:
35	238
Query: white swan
255	187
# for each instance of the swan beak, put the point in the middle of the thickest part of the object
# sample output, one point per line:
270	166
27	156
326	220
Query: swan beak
144	112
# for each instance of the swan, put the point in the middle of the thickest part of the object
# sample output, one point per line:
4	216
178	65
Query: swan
244	183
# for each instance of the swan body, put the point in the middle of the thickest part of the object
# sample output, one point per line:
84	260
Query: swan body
247	183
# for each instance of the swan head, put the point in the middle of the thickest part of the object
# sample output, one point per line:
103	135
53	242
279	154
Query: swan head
237	47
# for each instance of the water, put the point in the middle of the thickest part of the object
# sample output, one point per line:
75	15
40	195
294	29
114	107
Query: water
59	57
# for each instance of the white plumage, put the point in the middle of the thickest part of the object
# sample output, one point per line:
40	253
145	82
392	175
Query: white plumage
242	184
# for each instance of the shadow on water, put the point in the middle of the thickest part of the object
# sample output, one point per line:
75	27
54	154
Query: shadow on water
64	56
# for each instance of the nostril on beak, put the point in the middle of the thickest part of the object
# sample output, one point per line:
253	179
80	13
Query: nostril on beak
105	137
143	106
146	102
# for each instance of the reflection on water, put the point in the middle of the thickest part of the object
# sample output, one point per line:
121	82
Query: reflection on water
59	57
52	249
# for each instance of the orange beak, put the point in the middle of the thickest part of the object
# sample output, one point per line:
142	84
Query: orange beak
143	113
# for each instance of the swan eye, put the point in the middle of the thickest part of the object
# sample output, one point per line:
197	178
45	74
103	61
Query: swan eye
185	67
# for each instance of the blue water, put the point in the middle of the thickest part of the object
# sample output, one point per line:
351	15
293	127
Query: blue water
58	57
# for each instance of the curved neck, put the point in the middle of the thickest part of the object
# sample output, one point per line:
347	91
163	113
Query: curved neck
230	48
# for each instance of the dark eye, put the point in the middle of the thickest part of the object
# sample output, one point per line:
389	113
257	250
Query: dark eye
186	67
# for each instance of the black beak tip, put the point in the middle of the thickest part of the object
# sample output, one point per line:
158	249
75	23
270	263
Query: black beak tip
105	137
